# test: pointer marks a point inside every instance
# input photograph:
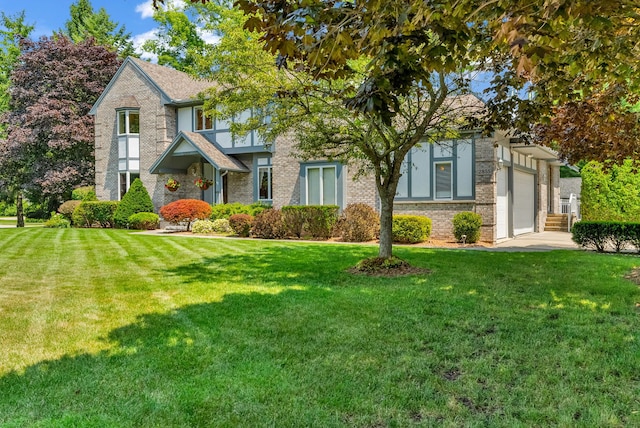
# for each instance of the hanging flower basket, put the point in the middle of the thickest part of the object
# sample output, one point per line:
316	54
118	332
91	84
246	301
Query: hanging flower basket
203	183
172	185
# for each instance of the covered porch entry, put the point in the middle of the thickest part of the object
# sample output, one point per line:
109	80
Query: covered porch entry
192	156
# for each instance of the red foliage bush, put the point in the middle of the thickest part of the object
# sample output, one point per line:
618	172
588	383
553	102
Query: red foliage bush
269	225
185	211
241	224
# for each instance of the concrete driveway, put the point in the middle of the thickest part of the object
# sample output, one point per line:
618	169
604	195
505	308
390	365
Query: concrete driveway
543	241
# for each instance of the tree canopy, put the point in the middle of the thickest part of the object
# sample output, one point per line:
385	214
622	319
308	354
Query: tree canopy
48	149
85	22
13	29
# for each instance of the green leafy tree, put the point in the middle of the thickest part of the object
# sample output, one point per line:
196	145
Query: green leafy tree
13	29
179	41
136	200
85	22
48	149
610	192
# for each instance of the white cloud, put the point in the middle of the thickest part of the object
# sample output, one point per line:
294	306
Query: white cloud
208	37
146	9
138	41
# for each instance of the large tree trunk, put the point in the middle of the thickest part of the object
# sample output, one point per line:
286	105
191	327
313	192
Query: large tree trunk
386	225
19	210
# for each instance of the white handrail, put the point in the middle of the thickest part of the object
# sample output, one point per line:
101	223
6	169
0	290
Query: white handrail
573	209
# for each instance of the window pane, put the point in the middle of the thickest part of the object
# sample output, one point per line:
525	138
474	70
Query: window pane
443	180
123	184
134	123
134	165
122	122
122	147
420	172
313	186
264	181
199	120
464	169
122	165
403	183
329	186
134	147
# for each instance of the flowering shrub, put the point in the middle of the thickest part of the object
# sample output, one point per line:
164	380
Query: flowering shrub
221	225
144	221
185	211
208	226
241	224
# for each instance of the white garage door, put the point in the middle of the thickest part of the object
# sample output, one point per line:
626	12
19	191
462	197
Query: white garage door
523	202
502	210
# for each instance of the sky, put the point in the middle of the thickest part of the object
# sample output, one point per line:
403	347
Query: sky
50	15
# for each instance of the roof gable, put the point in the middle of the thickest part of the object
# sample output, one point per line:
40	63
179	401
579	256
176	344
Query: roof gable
175	86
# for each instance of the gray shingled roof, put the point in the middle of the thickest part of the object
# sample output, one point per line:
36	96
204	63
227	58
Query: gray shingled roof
178	86
223	161
202	148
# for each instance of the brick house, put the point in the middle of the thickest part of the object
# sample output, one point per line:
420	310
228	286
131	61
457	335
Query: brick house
149	123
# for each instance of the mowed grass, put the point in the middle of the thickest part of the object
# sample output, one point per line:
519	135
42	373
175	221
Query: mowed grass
110	328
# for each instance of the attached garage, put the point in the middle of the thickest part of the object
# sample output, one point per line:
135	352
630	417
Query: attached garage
502	203
523	202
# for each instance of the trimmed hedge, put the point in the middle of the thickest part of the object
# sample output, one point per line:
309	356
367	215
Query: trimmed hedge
467	224
359	223
94	213
241	224
600	235
321	219
411	229
294	218
67	208
225	211
144	221
269	225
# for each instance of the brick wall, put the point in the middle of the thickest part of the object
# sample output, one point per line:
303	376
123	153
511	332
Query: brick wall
157	129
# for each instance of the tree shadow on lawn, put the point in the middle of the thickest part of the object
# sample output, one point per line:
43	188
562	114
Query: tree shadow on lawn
357	355
290	359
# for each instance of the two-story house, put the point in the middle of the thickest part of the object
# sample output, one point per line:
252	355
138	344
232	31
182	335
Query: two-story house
149	123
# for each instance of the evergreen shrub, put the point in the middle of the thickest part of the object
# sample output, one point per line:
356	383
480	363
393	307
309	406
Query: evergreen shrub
136	200
411	229
467	224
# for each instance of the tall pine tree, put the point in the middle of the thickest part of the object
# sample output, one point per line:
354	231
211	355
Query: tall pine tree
85	22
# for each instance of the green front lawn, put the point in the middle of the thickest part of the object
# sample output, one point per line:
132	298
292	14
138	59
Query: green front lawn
111	328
